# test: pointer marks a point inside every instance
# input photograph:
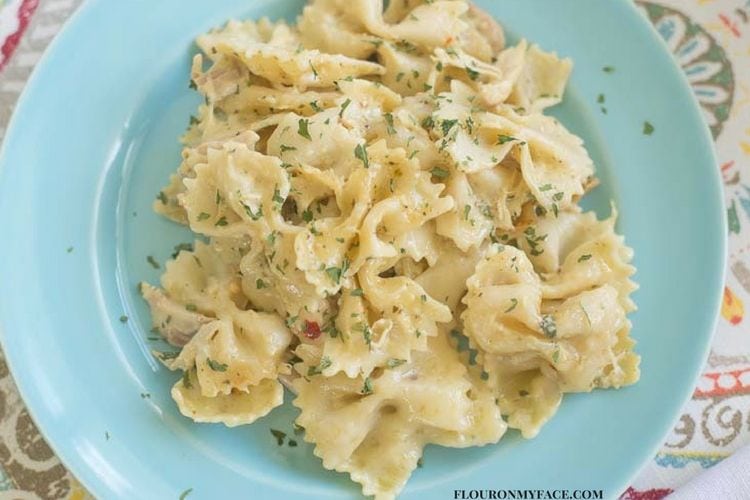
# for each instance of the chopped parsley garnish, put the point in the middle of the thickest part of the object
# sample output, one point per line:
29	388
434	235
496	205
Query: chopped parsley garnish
164	356
357	292
315	71
334	273
648	129
260	284
473	74
188	247
395	362
325	362
298	429
513	304
188	491
302	128
255	216
502	138
292	443
600	99
389	124
153	262
277	196
192	85
556	356
545	187
218	197
221	222
420	462
360	152
279	435
344	105
467	209
523	393
191	307
447	125
548	326
307	215
162	197
440	173
216	366
608	69
558	196
428	122
315	107
69	249
193	120
367	387
533	240
123	319
584	258
203	216
284	148
439	66
186	380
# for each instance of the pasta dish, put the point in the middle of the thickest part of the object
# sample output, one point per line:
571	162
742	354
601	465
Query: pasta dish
389	227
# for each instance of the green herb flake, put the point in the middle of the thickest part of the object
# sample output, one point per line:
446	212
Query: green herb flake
367	387
420	462
648	129
545	187
69	250
389	124
221	222
191	307
292	443
284	148
325	362
608	69
584	258
558	196
260	284
307	215
513	304
395	362
150	259
556	356
187	247
216	366
548	326
360	152
302	128
298	429
601	99
467	209
315	107
503	139
523	393
473	74
357	292
186	380
185	493
123	319
279	435
447	125
192	85
344	105
162	197
334	273
203	216
440	173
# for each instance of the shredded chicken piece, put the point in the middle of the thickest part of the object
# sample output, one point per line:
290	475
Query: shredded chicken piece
175	323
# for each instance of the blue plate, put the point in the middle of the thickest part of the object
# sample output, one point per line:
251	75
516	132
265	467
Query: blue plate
93	140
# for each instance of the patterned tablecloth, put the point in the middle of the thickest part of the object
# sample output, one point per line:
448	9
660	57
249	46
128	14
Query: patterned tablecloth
711	41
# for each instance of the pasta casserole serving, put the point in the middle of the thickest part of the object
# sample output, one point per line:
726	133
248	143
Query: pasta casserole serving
389	227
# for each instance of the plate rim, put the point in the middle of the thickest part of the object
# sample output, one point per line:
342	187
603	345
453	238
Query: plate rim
91	481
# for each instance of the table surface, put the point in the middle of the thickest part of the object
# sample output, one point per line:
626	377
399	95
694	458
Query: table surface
711	41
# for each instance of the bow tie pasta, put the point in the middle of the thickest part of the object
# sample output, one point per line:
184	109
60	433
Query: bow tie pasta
369	186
